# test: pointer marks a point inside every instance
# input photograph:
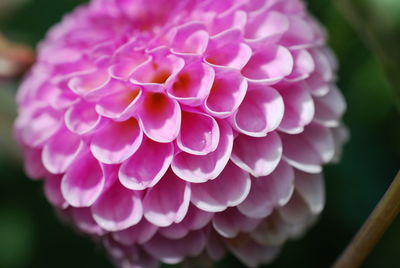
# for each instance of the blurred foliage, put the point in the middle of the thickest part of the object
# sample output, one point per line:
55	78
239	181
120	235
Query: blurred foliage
364	34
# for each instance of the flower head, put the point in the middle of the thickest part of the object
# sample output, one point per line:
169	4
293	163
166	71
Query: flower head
168	128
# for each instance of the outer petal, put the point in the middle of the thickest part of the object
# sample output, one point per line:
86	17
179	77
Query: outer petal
53	193
116	142
173	251
118	208
231	222
228	190
269	65
311	189
199	133
83	219
139	233
299	109
191	38
258	156
192	84
261	111
269	192
60	151
81	118
267	26
329	108
147	166
168	201
84	181
201	168
160	117
227	93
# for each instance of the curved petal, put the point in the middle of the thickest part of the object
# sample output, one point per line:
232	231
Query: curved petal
192	84
269	192
258	156
120	104
116	141
201	168
321	139
160	117
173	251
168	201
199	133
329	108
139	233
229	189
191	39
299	153
231	222
227	93
195	219
33	165
83	219
81	118
269	66
226	50
89	81
299	109
267	26
59	153
253	254
147	166
304	66
83	182
52	190
311	188
260	112
118	208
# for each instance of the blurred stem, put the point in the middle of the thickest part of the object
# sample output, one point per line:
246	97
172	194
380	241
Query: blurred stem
373	229
365	21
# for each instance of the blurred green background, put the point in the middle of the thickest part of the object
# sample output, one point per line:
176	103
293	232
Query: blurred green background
364	34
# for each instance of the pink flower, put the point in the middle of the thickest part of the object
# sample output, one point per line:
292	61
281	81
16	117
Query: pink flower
167	129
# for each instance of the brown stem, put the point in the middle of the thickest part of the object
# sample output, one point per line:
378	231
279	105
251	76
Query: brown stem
373	229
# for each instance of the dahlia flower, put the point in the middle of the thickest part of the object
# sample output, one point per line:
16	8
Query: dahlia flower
169	129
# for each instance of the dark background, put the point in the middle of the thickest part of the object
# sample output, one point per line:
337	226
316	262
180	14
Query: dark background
364	34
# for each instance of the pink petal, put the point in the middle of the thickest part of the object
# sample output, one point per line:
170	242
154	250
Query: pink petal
267	26
52	190
304	66
299	109
295	212
226	50
139	233
160	117
299	35
125	61
158	71
116	142
229	189
260	112
118	208
84	221
191	38
83	182
269	66
201	168
192	84
120	104
89	81
199	133
195	219
311	189
81	118
231	222
329	108
173	251
147	166
299	153
253	254
268	192
321	139
33	164
168	201
258	156
228	21
59	153
227	93
43	124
